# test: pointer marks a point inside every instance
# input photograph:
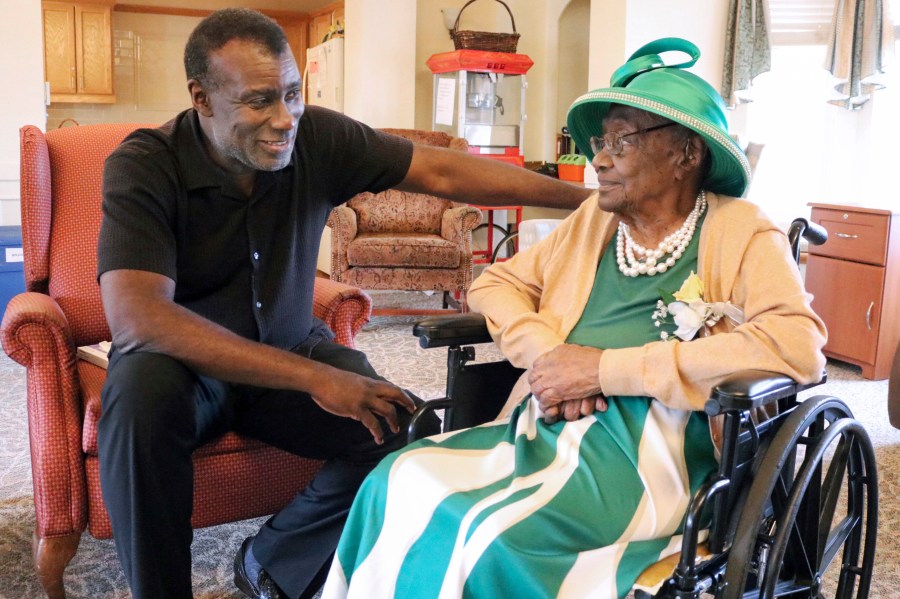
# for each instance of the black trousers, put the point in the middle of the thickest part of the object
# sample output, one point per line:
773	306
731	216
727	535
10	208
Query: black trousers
156	412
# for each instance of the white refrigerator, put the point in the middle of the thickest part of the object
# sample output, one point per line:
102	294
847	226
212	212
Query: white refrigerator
325	74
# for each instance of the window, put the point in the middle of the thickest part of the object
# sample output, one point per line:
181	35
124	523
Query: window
815	151
800	22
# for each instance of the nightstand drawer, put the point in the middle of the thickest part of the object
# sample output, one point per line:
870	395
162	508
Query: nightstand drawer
856	236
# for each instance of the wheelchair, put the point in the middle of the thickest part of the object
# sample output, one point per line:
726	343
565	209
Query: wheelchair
791	512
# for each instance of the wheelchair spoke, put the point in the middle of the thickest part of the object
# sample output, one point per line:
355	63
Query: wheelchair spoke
802	558
836	540
814	515
800	561
832	487
779	496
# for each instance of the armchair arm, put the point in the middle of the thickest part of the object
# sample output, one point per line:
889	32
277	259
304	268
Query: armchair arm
457	223
343	223
36	334
344	309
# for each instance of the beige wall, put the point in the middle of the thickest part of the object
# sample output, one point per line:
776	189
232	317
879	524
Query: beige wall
701	21
379	62
21	93
573	45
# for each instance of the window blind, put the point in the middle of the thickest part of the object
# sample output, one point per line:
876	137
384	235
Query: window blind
800	22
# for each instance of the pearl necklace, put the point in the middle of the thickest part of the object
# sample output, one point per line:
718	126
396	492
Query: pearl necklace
634	259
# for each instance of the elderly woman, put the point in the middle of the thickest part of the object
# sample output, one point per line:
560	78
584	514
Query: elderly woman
654	289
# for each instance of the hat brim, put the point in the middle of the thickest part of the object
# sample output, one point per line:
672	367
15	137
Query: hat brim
730	170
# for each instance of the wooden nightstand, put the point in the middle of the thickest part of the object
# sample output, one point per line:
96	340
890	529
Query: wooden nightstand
855	280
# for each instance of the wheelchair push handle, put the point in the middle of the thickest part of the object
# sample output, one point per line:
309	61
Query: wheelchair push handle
814	233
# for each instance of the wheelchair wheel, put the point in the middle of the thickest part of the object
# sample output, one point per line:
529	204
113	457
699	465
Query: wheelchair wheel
506	244
801	511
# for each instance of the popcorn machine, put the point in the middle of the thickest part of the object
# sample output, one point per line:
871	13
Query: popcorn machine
480	96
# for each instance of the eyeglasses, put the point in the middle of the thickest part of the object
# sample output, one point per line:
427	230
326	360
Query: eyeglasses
613	142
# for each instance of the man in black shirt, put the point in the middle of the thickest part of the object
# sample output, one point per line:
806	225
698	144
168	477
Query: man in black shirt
207	252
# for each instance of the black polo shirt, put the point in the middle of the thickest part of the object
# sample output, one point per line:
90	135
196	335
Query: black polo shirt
246	264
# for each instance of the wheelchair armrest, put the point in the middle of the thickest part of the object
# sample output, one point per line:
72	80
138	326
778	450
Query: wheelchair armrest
751	389
444	331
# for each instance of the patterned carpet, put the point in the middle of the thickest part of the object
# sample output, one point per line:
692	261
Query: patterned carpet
95	574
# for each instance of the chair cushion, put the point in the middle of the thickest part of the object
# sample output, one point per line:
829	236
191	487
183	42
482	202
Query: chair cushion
405	250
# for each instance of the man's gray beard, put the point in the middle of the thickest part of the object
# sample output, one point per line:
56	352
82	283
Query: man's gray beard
248	160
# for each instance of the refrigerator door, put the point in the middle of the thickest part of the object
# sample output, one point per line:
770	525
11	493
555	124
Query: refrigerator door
325	74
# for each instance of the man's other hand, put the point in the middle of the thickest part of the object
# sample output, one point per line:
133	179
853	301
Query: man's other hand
363	399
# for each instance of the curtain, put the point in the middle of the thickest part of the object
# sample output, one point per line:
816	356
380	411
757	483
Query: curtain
747	49
860	48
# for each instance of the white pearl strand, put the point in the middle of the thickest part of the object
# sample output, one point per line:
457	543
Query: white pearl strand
634	259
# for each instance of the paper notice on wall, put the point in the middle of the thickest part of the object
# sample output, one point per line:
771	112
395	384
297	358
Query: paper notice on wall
15	255
443	108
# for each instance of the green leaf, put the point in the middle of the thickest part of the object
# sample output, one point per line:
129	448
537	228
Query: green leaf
666	296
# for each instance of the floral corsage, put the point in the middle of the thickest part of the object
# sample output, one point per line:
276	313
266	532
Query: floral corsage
689	312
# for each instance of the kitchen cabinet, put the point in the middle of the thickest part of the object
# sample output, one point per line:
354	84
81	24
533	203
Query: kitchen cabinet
855	280
78	51
321	20
296	29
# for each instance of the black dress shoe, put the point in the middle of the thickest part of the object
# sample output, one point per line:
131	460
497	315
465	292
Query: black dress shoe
261	588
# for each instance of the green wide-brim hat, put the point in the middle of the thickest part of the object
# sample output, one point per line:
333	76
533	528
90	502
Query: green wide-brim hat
648	83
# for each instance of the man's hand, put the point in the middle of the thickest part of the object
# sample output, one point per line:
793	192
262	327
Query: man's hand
363	399
573	409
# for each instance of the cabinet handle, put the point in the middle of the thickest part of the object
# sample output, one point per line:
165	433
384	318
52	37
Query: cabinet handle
847	235
869	316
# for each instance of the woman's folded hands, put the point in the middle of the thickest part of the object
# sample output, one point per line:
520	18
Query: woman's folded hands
566	382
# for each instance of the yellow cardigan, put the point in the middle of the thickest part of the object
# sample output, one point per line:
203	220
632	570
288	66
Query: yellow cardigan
532	301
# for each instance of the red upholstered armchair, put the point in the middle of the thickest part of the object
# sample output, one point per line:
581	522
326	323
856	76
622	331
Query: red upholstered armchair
61	309
405	241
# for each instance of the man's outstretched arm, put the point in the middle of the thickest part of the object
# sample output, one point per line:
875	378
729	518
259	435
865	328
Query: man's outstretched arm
476	180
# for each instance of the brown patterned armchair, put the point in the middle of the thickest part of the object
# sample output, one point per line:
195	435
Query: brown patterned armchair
61	309
405	241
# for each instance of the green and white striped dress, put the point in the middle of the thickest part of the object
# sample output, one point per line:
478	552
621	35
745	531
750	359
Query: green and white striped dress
519	508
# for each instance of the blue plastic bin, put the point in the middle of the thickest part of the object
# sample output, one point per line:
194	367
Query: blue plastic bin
12	266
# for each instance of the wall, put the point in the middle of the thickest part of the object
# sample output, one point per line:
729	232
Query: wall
573	47
21	94
379	62
700	21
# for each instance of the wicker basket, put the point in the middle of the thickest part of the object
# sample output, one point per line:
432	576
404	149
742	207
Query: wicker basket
485	40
